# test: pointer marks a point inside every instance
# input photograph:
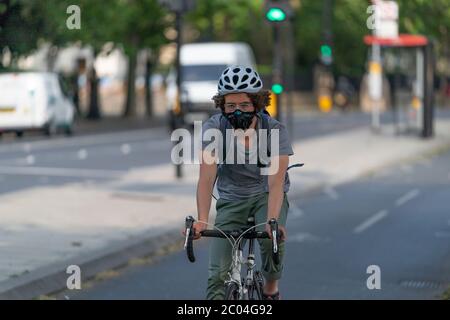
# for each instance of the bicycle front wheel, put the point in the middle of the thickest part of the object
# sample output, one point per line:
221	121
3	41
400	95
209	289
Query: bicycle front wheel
232	291
255	291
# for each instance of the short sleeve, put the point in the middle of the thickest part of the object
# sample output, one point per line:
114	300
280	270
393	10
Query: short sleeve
285	146
212	123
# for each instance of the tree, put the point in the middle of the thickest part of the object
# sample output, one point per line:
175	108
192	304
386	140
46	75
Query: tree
432	19
236	20
20	28
140	25
94	32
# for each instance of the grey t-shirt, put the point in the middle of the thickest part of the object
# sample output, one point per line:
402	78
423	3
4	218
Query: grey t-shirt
241	181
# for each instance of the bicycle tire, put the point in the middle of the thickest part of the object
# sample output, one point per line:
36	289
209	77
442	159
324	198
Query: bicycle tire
231	291
259	285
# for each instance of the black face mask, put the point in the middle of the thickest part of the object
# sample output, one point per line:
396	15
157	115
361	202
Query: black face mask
239	119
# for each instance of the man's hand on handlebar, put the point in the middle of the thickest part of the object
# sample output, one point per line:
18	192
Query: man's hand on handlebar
197	227
281	230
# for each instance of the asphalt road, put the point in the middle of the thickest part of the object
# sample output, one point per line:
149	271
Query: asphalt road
397	220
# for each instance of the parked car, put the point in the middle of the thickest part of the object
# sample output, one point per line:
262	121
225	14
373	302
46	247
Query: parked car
201	65
34	101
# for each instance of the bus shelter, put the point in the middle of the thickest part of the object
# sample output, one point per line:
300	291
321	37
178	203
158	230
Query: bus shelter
420	111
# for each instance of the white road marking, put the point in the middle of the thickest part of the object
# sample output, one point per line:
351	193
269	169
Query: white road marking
104	151
295	211
407	197
371	221
60	172
141	135
82	154
305	237
331	192
125	149
30	160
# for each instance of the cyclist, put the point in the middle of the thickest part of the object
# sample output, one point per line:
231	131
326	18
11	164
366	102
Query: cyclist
243	190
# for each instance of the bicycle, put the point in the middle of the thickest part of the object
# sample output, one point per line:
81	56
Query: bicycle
250	287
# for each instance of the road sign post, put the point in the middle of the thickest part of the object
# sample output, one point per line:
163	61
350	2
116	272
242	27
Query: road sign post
428	130
178	7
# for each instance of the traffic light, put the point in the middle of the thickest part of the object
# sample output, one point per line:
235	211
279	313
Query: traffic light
278	11
277	88
275	14
326	50
326	54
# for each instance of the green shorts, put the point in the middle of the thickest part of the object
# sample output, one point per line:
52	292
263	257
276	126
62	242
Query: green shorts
233	215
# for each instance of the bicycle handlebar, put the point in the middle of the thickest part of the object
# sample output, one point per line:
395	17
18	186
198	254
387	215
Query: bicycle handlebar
189	243
235	234
275	238
190	231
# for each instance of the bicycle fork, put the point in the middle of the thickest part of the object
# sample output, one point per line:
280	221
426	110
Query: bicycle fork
249	280
235	273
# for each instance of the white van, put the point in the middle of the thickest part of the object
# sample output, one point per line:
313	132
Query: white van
201	65
34	100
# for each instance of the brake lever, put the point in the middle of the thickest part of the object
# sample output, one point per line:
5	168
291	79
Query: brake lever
188	224
274	230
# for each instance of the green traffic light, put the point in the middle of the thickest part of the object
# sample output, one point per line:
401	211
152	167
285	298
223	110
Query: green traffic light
275	15
277	88
326	51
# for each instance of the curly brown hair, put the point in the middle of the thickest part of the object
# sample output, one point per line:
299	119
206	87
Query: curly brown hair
260	100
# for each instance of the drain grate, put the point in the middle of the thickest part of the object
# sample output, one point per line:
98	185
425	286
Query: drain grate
421	284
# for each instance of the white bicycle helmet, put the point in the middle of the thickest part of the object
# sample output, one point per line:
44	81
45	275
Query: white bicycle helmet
235	79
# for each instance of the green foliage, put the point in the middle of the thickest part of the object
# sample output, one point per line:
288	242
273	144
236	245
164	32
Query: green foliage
429	18
233	20
140	24
135	24
132	23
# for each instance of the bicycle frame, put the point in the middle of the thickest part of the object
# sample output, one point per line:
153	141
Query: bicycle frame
253	280
236	268
238	260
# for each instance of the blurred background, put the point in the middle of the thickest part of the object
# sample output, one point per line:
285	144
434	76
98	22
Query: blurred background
90	92
137	40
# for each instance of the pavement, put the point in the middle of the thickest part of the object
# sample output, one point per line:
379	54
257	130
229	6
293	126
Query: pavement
99	218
